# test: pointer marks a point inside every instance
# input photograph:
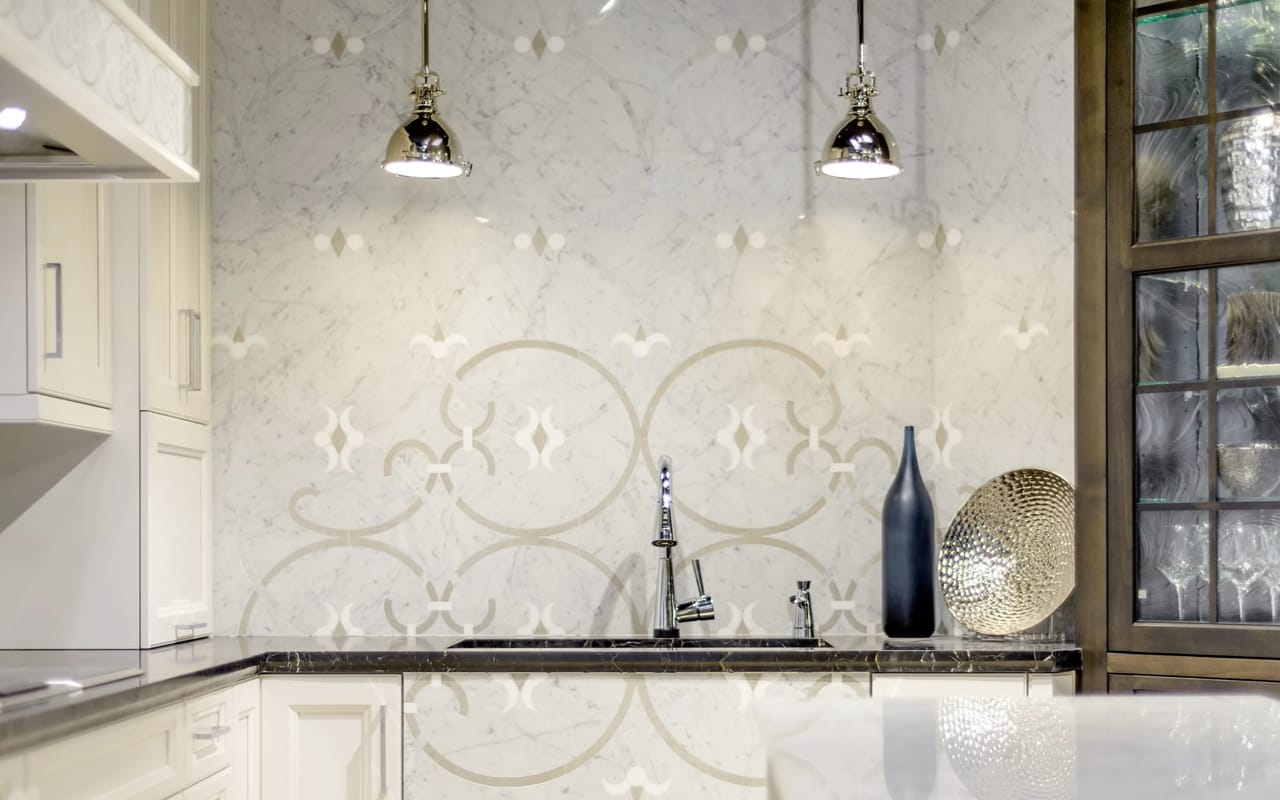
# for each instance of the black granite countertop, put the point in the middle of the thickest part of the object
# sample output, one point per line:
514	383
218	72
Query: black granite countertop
174	673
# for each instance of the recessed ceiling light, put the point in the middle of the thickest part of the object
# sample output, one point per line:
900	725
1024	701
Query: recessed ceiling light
12	117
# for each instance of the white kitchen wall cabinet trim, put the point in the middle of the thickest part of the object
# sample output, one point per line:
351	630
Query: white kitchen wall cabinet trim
98	82
55	306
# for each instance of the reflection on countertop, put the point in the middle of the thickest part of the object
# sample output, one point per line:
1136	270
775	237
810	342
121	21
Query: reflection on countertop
1131	747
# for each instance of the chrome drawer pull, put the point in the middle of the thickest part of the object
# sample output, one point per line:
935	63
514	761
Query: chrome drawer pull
211	734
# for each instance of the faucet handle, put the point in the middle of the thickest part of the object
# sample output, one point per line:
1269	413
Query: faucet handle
700	608
803	585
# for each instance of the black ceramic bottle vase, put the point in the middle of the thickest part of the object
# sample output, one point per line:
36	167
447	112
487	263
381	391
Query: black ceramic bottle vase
908	550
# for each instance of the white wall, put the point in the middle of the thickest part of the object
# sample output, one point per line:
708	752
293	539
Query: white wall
429	410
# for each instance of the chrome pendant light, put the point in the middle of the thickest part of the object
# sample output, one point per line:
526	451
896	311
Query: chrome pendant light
861	147
423	147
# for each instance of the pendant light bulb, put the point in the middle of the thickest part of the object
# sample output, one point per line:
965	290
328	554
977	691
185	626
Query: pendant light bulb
860	147
423	147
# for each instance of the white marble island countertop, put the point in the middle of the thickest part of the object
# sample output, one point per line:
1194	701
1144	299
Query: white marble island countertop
1123	747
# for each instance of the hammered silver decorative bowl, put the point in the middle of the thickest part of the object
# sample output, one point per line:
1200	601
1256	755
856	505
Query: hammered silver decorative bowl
1008	559
1250	470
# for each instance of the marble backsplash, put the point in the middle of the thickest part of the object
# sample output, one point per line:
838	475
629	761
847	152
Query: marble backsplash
438	405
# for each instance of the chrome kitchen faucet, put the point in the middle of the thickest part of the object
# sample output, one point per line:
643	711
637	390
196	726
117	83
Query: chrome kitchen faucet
667	613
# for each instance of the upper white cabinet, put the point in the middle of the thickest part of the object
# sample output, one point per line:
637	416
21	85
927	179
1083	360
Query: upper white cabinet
335	737
111	97
55	305
176	283
177	530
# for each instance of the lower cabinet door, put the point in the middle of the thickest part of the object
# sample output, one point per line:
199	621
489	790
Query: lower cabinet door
139	759
332	737
246	741
13	778
177	529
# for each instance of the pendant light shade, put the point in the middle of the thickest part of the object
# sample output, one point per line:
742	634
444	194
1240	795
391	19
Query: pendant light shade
423	147
861	147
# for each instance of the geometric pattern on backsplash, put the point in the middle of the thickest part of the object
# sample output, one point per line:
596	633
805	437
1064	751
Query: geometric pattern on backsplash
737	432
740	43
539	44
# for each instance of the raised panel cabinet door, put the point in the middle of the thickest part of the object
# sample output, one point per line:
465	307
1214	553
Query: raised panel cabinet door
176	291
246	741
138	759
69	280
177	529
889	686
332	737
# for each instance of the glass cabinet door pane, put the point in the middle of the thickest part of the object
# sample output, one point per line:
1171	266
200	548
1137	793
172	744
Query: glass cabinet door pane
1248	328
1172	327
1249	173
1170	51
1173	566
1172	438
1249	443
1248	54
1249	566
1171	195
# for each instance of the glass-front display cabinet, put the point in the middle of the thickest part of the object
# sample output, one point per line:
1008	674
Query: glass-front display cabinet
1192	320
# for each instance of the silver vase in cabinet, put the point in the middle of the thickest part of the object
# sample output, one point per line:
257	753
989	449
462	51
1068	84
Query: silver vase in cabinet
1249	160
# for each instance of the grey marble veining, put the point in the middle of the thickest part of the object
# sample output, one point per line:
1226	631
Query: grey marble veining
177	672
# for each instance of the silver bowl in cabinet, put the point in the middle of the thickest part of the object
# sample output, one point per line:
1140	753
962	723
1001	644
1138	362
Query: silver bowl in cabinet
1250	470
1008	559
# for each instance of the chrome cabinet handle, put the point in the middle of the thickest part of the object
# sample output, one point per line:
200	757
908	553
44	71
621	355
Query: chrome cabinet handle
57	310
212	734
382	733
190	629
195	363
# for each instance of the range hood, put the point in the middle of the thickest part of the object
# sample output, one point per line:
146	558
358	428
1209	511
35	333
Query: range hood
106	98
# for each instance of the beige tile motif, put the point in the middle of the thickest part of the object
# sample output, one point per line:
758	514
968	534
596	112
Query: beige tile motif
237	345
1024	335
338	241
539	45
339	45
740	240
539	241
740	43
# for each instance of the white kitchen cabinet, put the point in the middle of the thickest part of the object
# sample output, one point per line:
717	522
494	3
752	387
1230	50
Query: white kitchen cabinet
215	787
332	737
246	741
142	758
210	721
55	305
885	686
177	529
176	281
13	778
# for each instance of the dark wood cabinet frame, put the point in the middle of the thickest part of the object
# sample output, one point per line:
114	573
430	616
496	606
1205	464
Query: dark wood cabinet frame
1107	259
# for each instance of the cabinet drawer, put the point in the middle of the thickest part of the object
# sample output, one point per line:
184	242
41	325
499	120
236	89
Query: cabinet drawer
216	787
138	759
883	686
209	728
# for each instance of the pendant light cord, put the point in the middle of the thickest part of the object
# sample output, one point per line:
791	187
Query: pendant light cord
862	52
426	38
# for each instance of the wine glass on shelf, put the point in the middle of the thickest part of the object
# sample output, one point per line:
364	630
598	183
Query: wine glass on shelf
1270	544
1183	553
1240	557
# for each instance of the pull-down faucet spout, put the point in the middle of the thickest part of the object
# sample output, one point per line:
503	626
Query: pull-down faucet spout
667	613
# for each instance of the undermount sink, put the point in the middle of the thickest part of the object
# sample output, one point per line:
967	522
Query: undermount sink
607	643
